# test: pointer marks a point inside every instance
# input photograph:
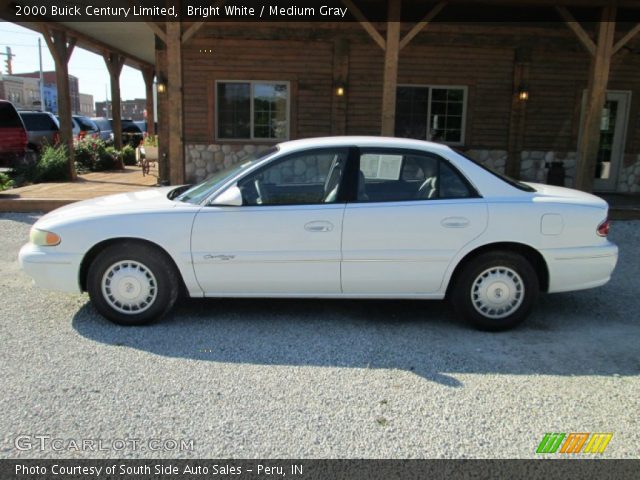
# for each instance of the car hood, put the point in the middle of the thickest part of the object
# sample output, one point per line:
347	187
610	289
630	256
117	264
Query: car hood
552	193
144	201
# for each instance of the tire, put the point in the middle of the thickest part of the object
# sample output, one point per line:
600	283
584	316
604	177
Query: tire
132	284
495	291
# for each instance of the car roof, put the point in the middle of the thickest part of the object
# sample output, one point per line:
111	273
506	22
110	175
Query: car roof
361	141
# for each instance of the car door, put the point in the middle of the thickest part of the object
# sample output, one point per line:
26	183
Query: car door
414	211
284	239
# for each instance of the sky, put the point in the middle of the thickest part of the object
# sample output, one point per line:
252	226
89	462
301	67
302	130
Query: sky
90	69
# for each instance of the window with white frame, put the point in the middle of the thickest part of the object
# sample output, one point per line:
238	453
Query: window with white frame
252	110
430	112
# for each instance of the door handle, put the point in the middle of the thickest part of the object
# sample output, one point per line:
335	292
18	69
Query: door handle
318	226
455	222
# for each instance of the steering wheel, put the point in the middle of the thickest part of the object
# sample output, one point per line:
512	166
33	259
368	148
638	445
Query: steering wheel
257	183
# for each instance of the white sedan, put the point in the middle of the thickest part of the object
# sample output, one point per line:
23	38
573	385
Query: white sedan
343	217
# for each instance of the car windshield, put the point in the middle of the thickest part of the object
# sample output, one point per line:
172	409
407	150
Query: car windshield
505	178
199	192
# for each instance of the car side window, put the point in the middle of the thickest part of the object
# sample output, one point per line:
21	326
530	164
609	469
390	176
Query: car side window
397	176
304	178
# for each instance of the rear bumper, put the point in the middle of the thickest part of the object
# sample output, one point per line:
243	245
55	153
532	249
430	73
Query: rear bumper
580	268
51	270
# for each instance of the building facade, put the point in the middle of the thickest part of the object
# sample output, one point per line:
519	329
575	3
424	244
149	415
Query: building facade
24	93
86	105
133	109
50	81
493	92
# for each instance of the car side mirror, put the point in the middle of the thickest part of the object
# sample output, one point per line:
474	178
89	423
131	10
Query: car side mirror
231	197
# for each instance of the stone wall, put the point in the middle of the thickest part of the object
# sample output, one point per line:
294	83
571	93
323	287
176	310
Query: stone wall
629	176
203	160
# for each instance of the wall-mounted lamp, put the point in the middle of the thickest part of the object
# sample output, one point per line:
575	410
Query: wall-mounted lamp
162	85
340	89
523	93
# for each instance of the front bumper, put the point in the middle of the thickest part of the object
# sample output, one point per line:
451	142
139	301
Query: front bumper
580	268
51	270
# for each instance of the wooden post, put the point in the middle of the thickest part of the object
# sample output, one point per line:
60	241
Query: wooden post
162	107
340	77
174	94
589	141
115	63
518	112
61	47
148	75
390	79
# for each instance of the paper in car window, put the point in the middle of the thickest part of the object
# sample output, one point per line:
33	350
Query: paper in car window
382	167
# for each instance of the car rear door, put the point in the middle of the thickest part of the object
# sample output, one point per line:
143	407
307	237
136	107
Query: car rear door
284	239
412	214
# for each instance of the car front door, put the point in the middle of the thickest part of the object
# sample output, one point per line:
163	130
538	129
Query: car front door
414	211
284	239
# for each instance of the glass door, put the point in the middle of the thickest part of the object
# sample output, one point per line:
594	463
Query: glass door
613	125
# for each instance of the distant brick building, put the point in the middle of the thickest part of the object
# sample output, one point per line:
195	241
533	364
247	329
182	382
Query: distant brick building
50	80
133	109
86	105
24	93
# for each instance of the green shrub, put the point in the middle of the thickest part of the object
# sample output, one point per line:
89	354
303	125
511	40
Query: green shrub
128	155
88	153
53	166
109	160
5	181
150	141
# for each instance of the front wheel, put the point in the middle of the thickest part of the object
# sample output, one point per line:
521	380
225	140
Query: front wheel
131	284
495	291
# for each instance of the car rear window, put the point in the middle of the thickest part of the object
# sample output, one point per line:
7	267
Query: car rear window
39	122
9	117
85	123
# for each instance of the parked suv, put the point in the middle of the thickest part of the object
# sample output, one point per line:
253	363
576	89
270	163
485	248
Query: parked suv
83	126
131	133
42	129
104	129
13	136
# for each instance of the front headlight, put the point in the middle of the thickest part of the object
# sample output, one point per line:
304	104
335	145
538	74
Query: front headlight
43	238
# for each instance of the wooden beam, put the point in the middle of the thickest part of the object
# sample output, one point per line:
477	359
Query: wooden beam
624	40
148	74
175	107
582	35
421	25
61	47
390	79
191	31
340	78
589	141
157	30
366	24
517	117
114	64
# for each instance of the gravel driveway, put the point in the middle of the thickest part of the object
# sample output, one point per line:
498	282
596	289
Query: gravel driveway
309	378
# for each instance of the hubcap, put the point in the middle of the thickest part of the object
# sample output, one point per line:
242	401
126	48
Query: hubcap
129	287
497	292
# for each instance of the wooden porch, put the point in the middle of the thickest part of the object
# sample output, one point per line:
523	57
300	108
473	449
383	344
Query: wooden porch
44	197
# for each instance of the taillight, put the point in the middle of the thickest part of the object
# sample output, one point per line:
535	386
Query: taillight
603	228
56	138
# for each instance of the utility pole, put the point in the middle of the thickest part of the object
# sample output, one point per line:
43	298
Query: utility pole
42	105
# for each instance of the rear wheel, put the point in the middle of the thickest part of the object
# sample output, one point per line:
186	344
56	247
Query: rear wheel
132	284
496	290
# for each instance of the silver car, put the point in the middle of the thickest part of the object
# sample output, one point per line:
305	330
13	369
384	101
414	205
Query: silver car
42	128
